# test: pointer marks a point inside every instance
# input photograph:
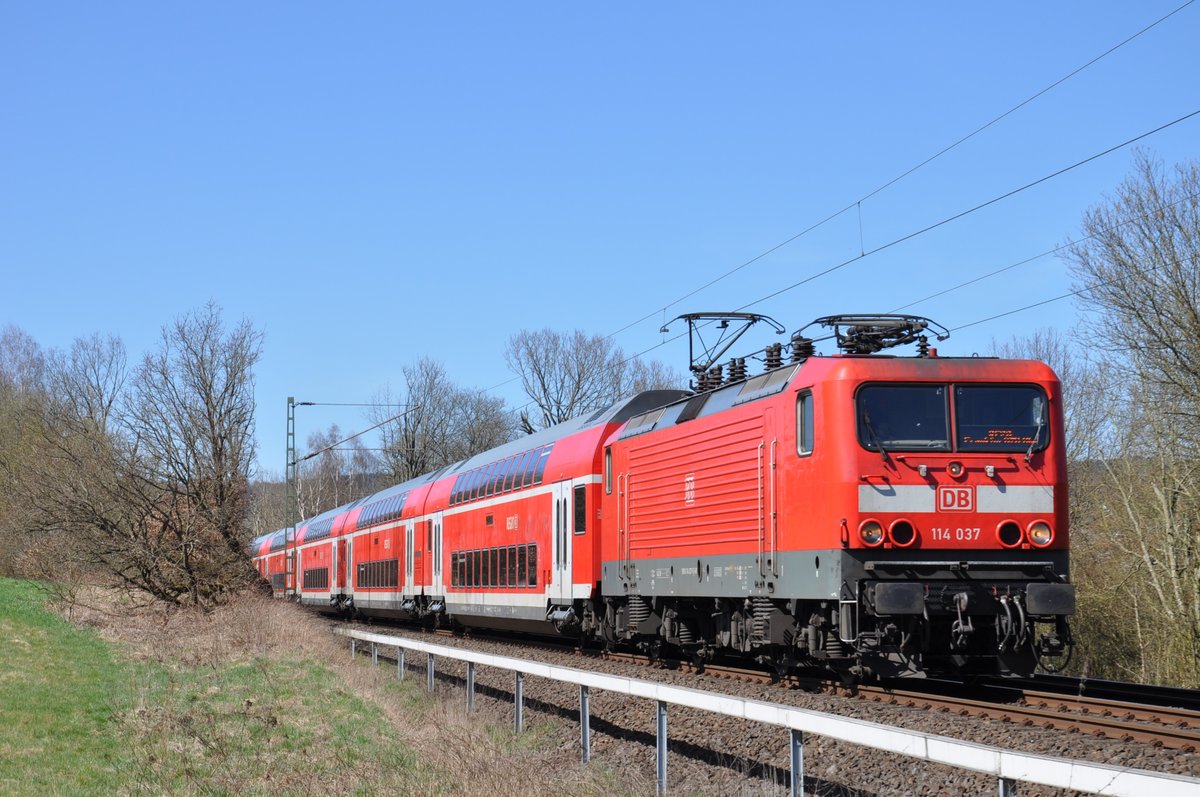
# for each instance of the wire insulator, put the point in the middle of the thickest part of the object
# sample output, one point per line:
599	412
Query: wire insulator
774	356
802	348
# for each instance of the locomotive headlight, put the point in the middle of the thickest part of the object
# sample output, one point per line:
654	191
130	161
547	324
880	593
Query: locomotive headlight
871	532
1040	533
955	468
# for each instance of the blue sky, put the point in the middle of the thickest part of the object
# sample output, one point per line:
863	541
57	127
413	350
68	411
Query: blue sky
371	183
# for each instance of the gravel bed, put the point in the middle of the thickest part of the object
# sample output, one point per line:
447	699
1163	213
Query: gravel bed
713	754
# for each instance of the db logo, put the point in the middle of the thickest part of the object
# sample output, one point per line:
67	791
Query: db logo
956	499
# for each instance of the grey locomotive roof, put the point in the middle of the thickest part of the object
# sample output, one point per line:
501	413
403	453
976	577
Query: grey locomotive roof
712	402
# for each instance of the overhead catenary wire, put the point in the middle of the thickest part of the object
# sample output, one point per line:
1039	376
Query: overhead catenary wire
917	233
887	184
1039	256
858	202
329	447
1169	261
969	211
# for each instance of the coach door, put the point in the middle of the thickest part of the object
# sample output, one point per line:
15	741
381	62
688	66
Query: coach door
339	563
435	554
409	559
560	578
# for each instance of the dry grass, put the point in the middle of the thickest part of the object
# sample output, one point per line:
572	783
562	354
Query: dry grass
262	697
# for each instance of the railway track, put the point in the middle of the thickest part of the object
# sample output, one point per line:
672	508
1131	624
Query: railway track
1145	715
1159	725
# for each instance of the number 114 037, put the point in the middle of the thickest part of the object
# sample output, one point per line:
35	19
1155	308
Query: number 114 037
955	534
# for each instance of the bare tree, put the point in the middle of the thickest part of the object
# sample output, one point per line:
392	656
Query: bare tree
22	392
338	472
89	377
570	374
270	506
445	422
1139	270
1086	382
150	478
22	362
1136	548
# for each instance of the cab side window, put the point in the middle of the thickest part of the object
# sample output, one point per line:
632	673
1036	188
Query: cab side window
804	423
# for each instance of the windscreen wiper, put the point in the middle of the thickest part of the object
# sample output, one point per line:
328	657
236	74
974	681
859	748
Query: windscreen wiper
874	436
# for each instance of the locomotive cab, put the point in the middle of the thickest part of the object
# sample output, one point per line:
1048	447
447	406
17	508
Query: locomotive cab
956	558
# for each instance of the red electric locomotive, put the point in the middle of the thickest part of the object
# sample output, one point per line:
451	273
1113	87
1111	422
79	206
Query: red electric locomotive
869	513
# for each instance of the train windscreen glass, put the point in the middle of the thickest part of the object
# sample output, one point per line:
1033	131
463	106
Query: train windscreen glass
903	418
1000	418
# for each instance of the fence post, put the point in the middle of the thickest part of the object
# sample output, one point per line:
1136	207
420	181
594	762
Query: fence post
470	686
797	763
661	749
519	702
1008	787
353	647
429	673
585	723
374	655
399	663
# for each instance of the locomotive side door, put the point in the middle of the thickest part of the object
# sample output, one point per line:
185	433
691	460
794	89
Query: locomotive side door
435	555
560	578
768	509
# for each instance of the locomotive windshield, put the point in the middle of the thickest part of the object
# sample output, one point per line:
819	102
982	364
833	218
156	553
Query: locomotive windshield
903	418
1000	417
986	418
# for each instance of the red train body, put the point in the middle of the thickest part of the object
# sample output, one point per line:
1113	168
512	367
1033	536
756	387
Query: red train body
874	514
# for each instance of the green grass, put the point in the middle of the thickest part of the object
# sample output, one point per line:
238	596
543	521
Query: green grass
60	689
79	716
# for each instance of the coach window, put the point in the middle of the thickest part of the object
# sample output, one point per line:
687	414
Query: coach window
493	572
541	466
510	467
527	473
580	509
521	578
532	565
512	565
502	579
804	423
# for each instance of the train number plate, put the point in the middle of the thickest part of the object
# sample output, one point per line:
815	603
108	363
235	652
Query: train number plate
956	534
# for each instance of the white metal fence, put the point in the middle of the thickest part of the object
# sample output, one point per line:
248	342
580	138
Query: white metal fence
1008	767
